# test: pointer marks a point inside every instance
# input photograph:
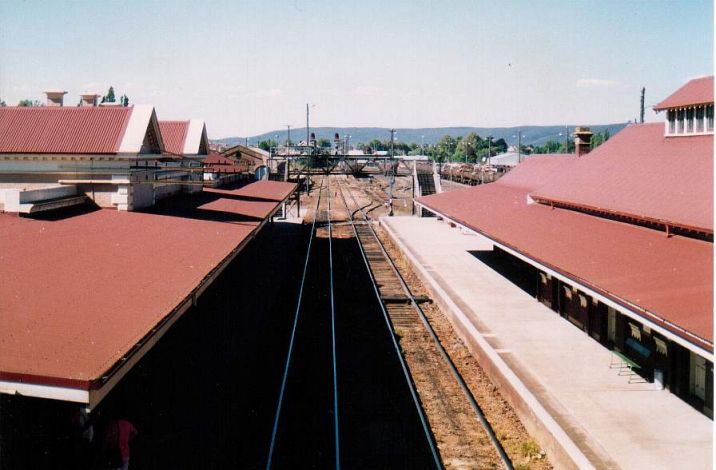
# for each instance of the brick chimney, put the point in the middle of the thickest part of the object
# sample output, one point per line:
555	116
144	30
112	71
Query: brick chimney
89	99
582	140
55	97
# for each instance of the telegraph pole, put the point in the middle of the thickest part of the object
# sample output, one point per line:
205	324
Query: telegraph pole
392	171
489	151
641	118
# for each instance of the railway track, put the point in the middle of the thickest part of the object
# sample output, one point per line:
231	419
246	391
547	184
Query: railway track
368	393
402	309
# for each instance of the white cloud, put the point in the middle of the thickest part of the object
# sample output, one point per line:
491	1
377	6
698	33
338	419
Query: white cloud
596	83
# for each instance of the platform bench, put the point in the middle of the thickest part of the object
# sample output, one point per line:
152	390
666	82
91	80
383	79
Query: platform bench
624	362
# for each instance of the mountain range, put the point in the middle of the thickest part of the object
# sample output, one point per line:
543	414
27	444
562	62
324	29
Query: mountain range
536	135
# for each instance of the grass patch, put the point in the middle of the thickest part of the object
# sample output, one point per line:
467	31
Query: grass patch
530	449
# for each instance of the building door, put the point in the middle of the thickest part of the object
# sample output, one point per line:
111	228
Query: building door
598	321
545	290
699	376
611	325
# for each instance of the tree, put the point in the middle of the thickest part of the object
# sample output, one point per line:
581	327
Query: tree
29	104
109	97
124	100
2	104
499	146
445	148
324	143
551	146
599	138
267	144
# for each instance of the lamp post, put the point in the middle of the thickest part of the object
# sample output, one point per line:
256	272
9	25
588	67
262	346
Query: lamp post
308	126
566	137
288	139
519	146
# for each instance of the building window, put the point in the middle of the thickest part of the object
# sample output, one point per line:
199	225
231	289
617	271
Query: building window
700	119
680	114
671	116
710	117
690	120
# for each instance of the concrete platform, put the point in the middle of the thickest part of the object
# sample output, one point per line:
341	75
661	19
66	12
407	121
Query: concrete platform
556	377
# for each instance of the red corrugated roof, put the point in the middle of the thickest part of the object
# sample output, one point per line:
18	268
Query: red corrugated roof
671	277
62	130
642	174
696	91
174	134
535	171
78	293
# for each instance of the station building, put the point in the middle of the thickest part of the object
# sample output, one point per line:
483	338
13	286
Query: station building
618	241
55	156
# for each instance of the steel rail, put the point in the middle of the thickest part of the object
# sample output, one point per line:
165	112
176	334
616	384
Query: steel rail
408	378
468	394
333	332
279	405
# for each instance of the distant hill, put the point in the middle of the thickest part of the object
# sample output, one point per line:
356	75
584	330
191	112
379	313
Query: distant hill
530	134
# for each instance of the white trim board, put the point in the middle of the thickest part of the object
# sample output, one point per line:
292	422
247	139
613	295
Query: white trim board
194	133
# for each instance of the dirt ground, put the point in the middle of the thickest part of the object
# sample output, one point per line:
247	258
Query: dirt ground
461	440
519	446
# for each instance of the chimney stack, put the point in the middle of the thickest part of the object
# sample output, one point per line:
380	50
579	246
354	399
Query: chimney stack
55	97
89	99
582	140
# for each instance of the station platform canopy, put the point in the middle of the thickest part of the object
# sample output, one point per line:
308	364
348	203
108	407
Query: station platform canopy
84	297
666	280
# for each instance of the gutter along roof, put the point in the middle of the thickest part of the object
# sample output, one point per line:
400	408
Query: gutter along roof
81	294
670	278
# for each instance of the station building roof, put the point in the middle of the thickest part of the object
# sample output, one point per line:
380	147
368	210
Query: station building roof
79	130
641	174
694	92
185	137
666	280
84	297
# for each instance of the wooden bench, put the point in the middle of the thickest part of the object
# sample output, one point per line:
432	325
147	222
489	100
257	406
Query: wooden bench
625	364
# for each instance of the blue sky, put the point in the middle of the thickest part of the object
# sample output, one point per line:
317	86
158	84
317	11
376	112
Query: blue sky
250	67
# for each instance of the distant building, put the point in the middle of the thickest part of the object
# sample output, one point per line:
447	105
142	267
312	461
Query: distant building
253	158
618	241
